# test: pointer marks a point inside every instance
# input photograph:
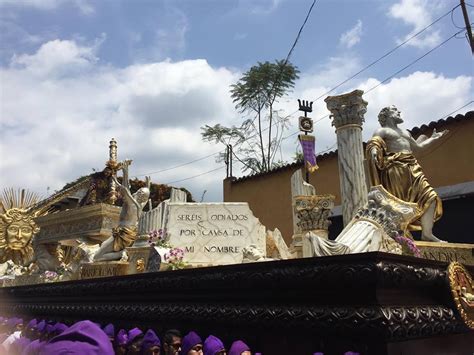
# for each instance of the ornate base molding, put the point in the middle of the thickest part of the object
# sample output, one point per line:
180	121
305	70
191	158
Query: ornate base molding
372	298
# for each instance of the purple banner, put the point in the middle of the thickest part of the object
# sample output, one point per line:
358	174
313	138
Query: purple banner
307	143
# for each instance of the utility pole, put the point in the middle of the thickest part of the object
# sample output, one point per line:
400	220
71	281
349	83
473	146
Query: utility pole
468	25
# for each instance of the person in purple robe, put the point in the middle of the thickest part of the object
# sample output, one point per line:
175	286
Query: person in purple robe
172	342
121	341
109	329
82	338
213	346
191	344
135	339
30	330
151	344
238	347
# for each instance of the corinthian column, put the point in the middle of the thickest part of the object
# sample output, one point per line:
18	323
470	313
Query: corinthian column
347	113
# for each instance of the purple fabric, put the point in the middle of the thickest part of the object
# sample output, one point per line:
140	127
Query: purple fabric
133	333
149	340
13	322
32	323
109	329
49	328
33	347
351	353
307	143
18	346
191	339
41	326
59	328
212	345
122	338
238	347
318	354
85	338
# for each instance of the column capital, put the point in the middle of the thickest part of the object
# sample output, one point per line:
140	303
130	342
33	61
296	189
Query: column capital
387	211
347	110
314	211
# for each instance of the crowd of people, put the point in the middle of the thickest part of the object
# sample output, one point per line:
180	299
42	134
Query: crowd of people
43	337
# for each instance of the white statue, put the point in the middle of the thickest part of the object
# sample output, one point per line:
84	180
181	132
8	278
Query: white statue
393	165
125	234
252	253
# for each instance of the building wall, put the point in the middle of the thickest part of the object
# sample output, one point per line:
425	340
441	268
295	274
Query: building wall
448	162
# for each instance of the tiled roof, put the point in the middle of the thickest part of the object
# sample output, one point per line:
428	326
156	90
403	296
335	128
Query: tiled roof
415	131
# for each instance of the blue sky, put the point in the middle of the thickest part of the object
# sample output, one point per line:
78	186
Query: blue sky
150	73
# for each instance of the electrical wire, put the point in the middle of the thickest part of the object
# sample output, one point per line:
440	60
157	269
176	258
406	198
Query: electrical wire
413	62
387	54
319	153
195	176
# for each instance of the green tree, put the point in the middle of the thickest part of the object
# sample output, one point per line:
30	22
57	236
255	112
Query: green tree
255	95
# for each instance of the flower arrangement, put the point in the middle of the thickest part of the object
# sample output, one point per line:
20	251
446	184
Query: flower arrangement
156	238
50	276
175	259
63	272
408	245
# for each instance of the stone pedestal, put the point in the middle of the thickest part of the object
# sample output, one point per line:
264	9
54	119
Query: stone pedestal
313	213
143	259
299	188
449	252
347	113
104	269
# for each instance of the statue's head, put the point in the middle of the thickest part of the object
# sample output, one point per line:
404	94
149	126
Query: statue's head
142	195
389	113
17	228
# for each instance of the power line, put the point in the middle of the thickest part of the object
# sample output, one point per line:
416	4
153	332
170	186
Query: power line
195	176
180	165
415	61
456	110
320	153
387	54
378	60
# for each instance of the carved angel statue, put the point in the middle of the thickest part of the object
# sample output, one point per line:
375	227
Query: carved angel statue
127	231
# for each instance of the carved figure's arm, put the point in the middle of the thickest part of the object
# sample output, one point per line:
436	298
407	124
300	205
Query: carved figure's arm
126	181
424	142
380	132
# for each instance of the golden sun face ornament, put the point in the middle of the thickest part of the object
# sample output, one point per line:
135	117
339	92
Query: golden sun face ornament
462	287
17	226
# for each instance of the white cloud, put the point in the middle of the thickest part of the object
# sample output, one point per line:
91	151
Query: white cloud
83	6
417	14
240	36
55	128
351	37
160	41
259	7
56	57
